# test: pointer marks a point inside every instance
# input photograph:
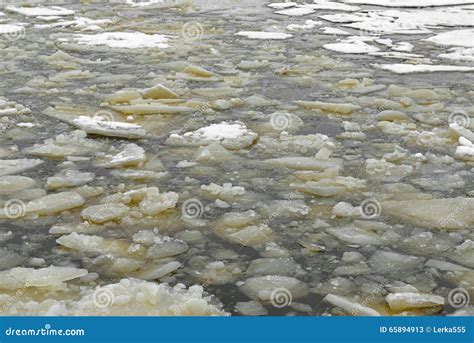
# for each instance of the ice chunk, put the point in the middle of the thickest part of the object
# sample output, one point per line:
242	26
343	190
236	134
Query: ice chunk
129	297
226	190
456	37
351	46
102	213
125	40
447	213
69	178
41	11
409	300
355	235
29	277
157	271
261	288
98	126
155	203
167	248
55	203
272	266
410	3
97	245
248	236
130	155
329	107
387	262
9	167
466	150
350	306
230	135
12	184
250	308
400	68
304	163
69	144
158	92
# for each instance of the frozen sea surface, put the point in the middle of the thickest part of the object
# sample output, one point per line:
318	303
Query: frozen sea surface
237	157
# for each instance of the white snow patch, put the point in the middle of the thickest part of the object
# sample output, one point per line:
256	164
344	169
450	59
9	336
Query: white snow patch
219	131
417	21
409	3
282	4
330	5
466	149
399	46
135	3
127	40
352	45
108	128
296	11
10	29
81	23
462	38
437	17
459	54
231	135
400	68
308	24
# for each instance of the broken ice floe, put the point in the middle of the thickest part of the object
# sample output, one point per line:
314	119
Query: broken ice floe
230	135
